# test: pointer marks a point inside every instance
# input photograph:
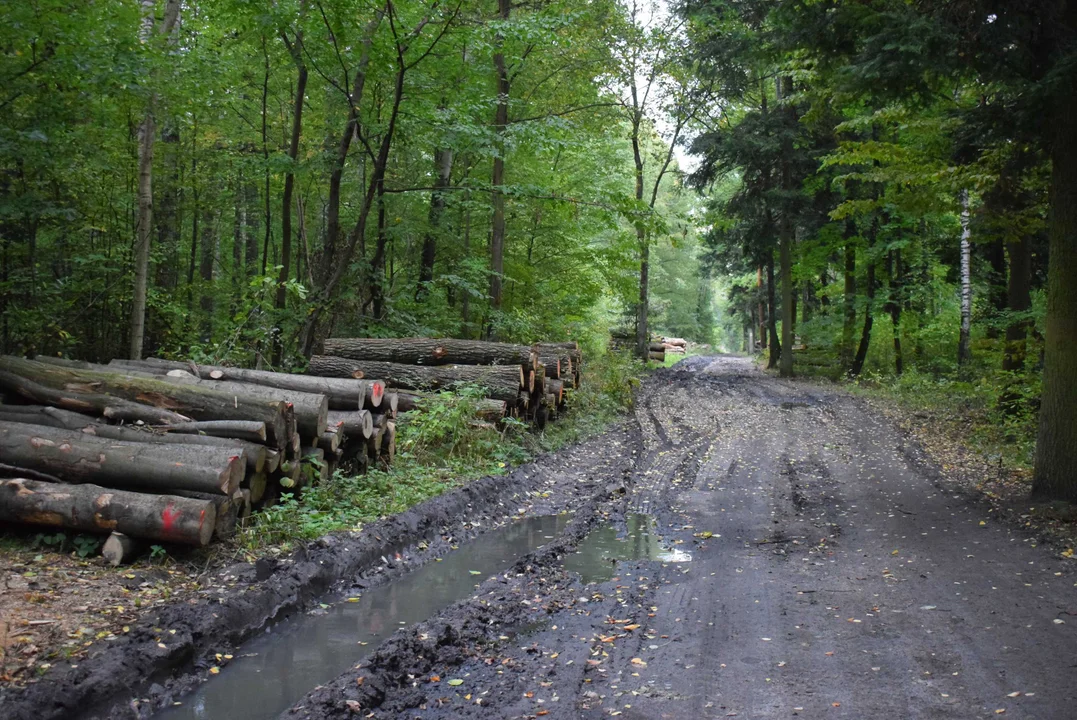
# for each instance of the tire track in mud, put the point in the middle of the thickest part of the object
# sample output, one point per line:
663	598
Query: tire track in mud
829	579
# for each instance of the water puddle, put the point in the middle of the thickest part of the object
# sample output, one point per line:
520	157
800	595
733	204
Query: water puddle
596	557
271	672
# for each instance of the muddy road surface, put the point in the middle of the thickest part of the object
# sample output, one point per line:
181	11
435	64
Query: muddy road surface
832	574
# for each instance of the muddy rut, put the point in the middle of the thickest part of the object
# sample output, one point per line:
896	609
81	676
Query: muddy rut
832	573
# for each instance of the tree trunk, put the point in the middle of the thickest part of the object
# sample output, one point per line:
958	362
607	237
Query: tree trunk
501	382
1019	300
849	324
146	132
1056	441
91	508
964	352
869	319
80	457
996	283
310	409
431	351
343	394
121	549
443	168
279	302
893	262
206	271
196	402
772	316
145	220
248	430
497	178
87	403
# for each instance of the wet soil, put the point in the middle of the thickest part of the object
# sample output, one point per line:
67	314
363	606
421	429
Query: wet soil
833	573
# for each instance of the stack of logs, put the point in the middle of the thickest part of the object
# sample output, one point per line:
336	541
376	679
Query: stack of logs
171	451
656	350
530	382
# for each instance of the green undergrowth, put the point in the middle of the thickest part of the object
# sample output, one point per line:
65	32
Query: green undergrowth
991	412
443	446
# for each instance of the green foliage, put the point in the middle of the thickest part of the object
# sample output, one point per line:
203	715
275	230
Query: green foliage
442	447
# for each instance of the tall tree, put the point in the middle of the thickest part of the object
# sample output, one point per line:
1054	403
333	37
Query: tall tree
148	28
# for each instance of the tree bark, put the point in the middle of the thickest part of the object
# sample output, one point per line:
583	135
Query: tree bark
87	403
964	352
296	51
849	323
431	351
497	176
501	382
869	319
443	158
146	133
91	508
893	263
198	403
775	345
343	394
80	457
1019	300
121	549
1056	442
310	409
249	430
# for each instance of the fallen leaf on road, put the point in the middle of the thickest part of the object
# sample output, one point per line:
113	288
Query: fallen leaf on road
456	681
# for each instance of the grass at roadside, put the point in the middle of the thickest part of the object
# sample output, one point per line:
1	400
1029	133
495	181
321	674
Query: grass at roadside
442	447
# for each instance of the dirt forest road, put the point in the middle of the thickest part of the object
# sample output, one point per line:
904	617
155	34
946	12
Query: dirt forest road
830	577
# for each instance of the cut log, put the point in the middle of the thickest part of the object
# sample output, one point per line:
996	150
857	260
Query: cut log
122	549
358	424
427	351
92	508
557	389
46	415
501	381
659	356
310	409
570	345
249	430
194	401
388	444
523	399
373	444
78	457
492	410
390	403
255	454
408	401
272	460
256	485
330	439
226	508
552	363
86	403
342	393
243	502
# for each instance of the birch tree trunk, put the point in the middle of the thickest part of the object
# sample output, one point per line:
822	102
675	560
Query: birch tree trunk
964	353
146	133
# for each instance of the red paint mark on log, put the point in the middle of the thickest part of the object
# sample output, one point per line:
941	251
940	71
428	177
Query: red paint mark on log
376	392
168	517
